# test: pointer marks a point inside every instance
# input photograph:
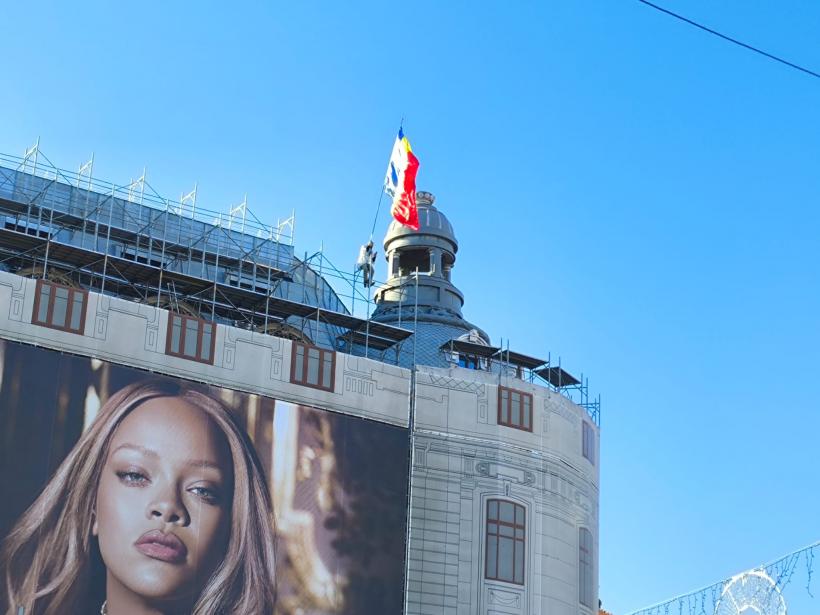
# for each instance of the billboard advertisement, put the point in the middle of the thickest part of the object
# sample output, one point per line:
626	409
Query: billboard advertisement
125	491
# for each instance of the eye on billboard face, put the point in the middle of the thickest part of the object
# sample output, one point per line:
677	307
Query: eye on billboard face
163	503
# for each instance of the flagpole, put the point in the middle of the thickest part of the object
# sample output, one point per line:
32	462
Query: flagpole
378	208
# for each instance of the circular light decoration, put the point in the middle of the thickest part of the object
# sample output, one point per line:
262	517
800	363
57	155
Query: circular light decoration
751	593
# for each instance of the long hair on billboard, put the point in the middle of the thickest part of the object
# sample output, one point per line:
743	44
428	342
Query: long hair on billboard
52	558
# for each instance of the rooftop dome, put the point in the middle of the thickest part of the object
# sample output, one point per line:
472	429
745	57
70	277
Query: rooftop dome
419	288
431	222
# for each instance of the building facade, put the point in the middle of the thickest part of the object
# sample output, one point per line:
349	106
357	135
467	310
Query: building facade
501	500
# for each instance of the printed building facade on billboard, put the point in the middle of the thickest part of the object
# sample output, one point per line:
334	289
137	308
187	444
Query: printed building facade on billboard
178	491
502	514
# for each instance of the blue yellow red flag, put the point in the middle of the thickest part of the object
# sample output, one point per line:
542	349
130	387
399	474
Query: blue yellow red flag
400	182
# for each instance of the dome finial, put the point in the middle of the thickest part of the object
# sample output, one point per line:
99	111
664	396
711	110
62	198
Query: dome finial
425	198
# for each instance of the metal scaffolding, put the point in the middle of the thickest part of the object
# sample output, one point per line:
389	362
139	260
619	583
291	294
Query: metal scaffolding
128	241
508	362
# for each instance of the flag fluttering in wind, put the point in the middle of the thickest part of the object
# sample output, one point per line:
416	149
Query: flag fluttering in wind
400	182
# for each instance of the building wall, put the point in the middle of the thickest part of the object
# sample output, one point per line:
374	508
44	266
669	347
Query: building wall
462	458
135	334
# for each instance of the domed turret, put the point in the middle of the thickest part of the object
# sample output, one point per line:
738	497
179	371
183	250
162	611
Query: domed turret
431	251
432	225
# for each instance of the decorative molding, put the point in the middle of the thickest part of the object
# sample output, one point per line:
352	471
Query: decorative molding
151	336
229	356
276	366
152	319
103	307
503	598
16	307
458	385
503	471
101	327
362	386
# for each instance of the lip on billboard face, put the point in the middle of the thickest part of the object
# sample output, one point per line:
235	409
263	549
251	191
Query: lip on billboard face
163	502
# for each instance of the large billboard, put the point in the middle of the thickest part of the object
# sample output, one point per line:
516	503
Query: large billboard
125	491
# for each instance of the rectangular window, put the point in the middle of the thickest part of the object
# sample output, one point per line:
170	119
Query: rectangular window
190	338
469	361
586	580
59	307
312	366
505	542
514	408
588	442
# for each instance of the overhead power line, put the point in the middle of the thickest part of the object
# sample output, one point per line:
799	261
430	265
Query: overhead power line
731	40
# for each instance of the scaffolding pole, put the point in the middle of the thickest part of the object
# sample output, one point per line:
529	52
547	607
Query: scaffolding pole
107	241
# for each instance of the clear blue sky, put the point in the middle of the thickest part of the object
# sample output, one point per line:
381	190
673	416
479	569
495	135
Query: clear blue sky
630	193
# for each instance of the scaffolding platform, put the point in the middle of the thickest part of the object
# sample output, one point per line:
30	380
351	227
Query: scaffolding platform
121	241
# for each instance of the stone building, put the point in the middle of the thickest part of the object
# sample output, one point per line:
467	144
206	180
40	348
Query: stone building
502	516
504	485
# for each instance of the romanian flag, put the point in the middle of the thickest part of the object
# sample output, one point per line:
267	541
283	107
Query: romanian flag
400	182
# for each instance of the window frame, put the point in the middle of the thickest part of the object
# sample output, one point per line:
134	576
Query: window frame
469	361
509	422
586	573
516	541
588	442
72	293
303	381
184	318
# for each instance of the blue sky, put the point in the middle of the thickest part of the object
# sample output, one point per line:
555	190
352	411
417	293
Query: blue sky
630	193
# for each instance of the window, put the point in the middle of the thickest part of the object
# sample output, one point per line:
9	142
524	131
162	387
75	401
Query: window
59	307
312	366
412	259
514	408
191	338
506	540
585	578
469	361
588	442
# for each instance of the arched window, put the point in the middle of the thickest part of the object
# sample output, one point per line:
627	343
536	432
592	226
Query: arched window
506	541
586	579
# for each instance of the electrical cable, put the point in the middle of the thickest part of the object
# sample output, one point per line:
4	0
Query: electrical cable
731	40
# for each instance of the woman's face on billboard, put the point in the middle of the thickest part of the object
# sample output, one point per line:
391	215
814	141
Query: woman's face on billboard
163	502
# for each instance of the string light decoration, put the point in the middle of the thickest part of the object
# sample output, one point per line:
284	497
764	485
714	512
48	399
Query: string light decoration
753	591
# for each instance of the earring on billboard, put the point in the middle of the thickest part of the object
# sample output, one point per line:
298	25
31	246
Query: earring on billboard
104	608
